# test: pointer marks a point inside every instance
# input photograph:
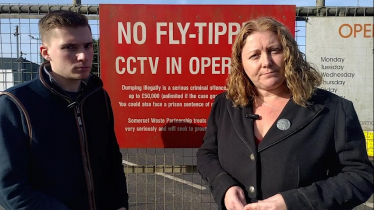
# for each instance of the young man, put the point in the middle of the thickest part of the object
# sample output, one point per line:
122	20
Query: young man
58	149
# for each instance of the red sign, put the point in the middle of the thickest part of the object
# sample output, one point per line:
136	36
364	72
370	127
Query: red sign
164	64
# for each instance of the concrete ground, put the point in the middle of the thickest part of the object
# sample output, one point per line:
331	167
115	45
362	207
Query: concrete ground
176	192
171	191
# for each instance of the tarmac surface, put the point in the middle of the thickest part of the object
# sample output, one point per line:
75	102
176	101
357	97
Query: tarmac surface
171	191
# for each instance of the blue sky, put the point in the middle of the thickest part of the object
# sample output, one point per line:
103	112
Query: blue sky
28	39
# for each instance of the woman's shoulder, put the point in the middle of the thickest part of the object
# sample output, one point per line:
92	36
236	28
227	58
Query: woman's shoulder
221	96
325	97
221	99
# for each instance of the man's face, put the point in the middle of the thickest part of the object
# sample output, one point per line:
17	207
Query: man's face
70	52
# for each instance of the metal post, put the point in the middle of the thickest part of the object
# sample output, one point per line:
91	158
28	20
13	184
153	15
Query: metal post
37	47
320	4
38	50
21	58
16	34
76	2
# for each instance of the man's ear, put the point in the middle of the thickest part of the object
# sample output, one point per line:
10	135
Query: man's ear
44	52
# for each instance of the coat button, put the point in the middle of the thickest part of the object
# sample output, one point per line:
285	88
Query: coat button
252	157
251	189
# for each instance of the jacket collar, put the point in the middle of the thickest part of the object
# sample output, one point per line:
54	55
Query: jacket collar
48	81
297	117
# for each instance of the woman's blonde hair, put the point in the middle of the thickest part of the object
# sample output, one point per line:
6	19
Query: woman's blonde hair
301	78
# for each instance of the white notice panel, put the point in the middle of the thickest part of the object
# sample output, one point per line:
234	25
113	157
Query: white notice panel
6	76
342	50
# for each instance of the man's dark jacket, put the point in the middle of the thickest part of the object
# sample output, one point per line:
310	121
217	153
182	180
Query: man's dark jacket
58	153
317	162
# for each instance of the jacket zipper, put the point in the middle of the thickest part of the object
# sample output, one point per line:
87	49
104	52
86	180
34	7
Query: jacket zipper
91	196
85	147
88	173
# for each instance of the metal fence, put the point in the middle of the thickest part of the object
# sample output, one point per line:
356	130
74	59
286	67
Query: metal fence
156	178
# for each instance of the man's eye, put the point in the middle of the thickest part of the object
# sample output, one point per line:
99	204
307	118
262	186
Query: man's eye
69	47
89	46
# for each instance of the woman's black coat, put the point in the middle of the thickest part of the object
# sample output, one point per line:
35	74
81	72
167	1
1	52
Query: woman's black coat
319	162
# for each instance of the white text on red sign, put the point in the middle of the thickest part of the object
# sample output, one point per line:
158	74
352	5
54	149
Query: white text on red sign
137	32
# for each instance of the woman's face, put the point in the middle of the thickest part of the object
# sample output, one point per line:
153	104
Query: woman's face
263	60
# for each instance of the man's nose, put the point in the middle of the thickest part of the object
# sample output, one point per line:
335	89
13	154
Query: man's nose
82	55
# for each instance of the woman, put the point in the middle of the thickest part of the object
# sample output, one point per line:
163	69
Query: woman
276	141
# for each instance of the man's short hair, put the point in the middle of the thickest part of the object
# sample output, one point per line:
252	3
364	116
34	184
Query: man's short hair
60	19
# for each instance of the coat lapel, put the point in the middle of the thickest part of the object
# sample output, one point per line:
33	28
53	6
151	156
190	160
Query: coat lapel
242	125
296	115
